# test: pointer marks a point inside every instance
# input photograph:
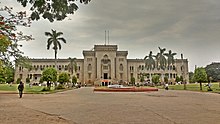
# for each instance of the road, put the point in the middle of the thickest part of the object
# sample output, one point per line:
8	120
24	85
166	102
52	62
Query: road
83	106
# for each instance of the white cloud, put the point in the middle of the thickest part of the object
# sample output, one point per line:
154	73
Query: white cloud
190	27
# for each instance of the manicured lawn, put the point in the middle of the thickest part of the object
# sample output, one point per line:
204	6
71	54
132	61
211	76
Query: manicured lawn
27	89
195	87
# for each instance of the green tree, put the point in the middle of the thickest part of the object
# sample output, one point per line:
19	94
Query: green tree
170	57
181	78
10	36
133	81
54	38
161	59
178	79
149	63
49	75
63	77
142	78
200	76
213	70
72	66
156	79
74	80
6	73
28	80
51	9
191	77
166	79
170	60
18	80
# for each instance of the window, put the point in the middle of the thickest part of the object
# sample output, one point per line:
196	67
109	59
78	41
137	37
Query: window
105	67
89	67
121	59
89	59
79	68
20	68
121	67
20	76
77	75
65	67
121	75
89	75
132	75
59	67
181	68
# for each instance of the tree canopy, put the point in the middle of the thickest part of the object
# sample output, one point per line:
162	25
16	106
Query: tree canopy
156	79
200	76
64	77
49	74
55	38
52	9
213	70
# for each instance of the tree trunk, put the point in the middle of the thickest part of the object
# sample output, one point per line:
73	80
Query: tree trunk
200	85
185	85
56	59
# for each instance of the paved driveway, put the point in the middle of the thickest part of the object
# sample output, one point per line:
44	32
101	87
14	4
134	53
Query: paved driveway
83	106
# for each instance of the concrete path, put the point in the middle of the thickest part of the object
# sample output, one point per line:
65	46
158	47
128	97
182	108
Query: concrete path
83	106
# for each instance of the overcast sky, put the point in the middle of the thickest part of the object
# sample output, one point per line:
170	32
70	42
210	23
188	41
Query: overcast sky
190	27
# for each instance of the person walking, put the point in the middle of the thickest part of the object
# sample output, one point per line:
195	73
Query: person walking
20	89
166	86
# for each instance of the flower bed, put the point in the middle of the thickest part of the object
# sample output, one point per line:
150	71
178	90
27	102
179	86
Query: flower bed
127	89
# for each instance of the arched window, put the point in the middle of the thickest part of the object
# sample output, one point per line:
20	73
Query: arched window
181	68
121	67
89	67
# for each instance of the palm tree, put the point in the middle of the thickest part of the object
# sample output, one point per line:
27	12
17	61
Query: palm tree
72	66
170	59
149	63
161	59
54	38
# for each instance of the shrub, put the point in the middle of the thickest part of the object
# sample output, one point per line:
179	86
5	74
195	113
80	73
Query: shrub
45	89
60	86
18	80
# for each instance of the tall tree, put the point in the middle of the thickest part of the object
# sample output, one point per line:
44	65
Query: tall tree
149	63
213	70
200	76
54	38
49	75
161	58
63	77
51	9
72	66
170	57
10	36
170	60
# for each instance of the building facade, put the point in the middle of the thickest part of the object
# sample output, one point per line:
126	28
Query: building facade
104	65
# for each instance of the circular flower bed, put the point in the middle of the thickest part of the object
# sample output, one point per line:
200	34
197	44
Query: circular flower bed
126	89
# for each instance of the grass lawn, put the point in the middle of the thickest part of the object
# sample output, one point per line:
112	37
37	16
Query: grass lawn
195	87
27	89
